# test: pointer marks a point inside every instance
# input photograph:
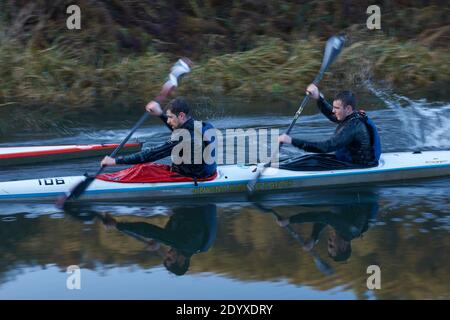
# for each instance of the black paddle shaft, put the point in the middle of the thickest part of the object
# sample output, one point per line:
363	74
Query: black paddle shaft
120	146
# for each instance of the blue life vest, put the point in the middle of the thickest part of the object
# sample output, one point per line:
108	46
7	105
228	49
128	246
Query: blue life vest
209	168
344	154
210	219
375	138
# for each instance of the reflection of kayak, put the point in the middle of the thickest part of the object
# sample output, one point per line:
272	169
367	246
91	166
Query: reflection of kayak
35	154
234	178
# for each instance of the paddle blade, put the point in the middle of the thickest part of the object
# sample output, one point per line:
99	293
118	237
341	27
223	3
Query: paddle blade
75	193
332	49
251	185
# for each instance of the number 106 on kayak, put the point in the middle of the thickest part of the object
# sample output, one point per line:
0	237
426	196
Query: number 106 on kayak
50	182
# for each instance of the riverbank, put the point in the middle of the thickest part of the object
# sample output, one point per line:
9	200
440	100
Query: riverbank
242	51
274	69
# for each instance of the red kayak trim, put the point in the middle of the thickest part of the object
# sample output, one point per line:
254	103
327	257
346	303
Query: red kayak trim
149	173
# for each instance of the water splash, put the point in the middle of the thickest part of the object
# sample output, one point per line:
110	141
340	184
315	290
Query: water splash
426	124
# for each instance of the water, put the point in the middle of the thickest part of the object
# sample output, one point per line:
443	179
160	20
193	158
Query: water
236	248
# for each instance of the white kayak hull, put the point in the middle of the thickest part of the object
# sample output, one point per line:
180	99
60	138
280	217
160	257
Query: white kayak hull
233	179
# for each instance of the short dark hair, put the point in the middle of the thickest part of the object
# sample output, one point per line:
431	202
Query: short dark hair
177	269
342	255
178	105
347	98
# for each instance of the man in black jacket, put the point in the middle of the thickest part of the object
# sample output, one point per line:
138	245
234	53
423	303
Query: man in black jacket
177	116
356	142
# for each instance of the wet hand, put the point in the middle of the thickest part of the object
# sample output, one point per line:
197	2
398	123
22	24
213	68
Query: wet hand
283	222
153	245
154	108
284	138
108	161
309	245
313	91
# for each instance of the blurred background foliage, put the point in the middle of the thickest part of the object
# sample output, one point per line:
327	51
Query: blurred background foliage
243	48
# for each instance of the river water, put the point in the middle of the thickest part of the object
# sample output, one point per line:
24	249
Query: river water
236	249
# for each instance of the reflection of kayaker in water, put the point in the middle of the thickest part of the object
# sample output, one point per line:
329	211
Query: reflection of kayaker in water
190	230
356	142
348	221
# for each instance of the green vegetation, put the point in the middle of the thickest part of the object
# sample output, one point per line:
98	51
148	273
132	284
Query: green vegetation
243	48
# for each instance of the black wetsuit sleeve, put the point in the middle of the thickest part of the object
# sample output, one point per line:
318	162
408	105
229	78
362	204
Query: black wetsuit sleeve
342	224
306	217
319	218
143	230
148	155
326	108
317	230
341	139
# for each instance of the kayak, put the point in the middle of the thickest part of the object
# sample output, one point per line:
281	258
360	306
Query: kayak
37	154
233	179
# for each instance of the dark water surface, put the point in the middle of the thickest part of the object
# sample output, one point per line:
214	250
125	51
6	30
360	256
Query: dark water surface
235	248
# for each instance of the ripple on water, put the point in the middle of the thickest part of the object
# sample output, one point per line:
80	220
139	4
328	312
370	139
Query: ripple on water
9	219
429	216
57	216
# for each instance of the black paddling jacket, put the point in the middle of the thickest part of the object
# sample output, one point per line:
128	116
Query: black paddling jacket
355	139
191	169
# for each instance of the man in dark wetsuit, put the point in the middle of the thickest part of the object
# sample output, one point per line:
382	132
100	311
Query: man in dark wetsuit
190	230
348	221
355	142
177	116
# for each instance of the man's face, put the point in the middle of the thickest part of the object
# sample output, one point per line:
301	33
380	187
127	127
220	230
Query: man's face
175	121
340	111
336	244
174	257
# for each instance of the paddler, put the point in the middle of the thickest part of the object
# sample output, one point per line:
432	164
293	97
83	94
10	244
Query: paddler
355	143
176	117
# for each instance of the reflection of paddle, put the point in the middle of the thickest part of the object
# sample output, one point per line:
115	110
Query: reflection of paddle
321	265
180	68
332	49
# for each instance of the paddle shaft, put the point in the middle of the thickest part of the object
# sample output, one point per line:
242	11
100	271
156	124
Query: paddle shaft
120	146
291	126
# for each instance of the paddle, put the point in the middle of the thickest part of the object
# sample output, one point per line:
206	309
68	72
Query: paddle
181	67
321	265
332	49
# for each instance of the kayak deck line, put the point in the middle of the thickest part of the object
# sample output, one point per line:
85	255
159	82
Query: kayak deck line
233	179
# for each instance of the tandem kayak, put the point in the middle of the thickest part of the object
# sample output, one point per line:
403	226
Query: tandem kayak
37	154
234	179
